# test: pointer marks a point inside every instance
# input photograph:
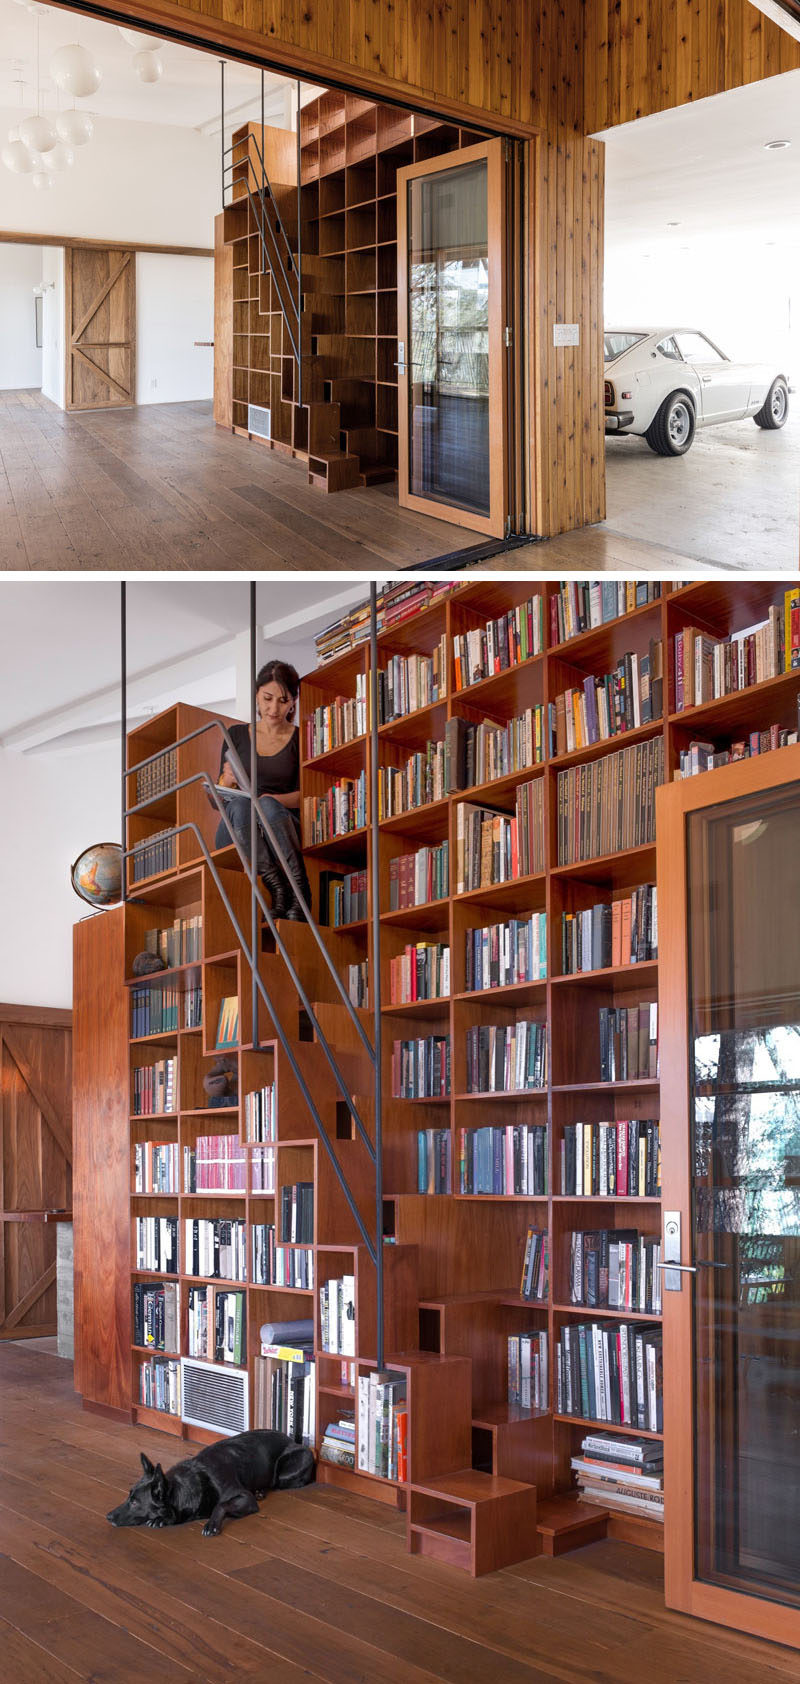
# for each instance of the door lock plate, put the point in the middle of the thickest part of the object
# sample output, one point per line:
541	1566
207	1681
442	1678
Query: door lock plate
672	1251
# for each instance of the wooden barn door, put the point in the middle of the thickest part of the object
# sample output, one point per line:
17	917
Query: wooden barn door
35	1163
100	327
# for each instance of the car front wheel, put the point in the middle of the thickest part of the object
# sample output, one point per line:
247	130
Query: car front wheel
775	408
671	431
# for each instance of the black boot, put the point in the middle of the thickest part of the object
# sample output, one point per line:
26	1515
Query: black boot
273	879
299	881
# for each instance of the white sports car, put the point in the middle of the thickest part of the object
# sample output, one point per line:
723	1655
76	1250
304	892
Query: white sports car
664	382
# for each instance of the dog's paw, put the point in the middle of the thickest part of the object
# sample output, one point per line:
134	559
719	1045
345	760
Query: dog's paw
210	1530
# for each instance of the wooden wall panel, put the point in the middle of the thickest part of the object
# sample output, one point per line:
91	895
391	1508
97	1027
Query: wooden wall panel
101	1198
35	1163
223	327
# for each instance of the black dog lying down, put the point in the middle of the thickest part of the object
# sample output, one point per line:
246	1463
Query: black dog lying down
223	1480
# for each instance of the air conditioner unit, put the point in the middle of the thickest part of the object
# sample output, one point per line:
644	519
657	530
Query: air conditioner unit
214	1397
259	421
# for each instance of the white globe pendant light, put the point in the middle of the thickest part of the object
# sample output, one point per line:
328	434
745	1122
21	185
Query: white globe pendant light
17	158
42	181
75	128
74	71
37	133
59	159
148	66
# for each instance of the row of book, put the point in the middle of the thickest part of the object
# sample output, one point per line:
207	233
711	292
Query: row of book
337	1316
155	1088
579	605
358	984
334	723
506	1057
608	704
215	1162
394	604
511	1159
294	1267
534	1282
421	1068
528	1376
499	644
477	754
409	682
417	878
157	1011
297	1213
342	898
179	943
216	1247
706	668
416	784
159	775
605	806
261	1113
498	955
157	854
262	1169
155	1166
434	1161
264	1242
611	1371
624	932
611	1160
284	1392
160	1385
625	1475
705	757
340	810
383	1424
494	846
156	1244
156	1319
420	972
217	1325
615	1269
629	1042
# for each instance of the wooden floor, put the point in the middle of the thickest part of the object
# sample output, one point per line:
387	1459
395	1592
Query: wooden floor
316	1586
159	487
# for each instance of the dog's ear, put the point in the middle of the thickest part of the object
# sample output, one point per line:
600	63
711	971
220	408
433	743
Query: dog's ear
146	1463
159	1483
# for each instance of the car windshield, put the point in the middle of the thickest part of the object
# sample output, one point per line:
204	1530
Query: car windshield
618	343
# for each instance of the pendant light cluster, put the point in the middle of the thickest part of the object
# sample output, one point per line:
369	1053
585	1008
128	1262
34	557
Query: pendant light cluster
41	147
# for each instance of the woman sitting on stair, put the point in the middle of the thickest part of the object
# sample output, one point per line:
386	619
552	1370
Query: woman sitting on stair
277	787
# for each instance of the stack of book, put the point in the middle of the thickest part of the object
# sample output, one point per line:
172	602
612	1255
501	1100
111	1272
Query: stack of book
160	1385
156	1166
358	983
581	605
434	1161
622	933
528	1385
477	754
155	855
611	1371
706	668
284	1381
339	1441
607	705
500	955
704	757
179	943
156	1315
155	1087
260	1113
608	805
337	1316
615	1269
421	1068
342	809
513	637
158	776
342	898
420	972
157	1244
383	1424
416	784
216	1247
629	1042
297	1213
417	878
534	1281
510	1160
215	1162
408	682
337	722
506	1057
625	1474
612	1160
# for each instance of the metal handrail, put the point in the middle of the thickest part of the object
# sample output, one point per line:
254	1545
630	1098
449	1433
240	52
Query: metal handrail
258	203
296	314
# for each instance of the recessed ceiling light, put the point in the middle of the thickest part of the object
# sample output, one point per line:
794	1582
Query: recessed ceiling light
673	225
776	145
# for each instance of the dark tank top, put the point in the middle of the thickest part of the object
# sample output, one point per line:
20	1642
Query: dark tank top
277	774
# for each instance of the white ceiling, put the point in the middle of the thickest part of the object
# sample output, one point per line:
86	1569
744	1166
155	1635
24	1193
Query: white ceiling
187	95
60	673
705	167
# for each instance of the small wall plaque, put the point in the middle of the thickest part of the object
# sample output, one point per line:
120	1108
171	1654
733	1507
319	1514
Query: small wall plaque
566	333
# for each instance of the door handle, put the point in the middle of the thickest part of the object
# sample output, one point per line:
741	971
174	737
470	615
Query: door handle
706	379
692	1268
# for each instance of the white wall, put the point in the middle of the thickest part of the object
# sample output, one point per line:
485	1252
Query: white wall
20	361
52	807
174	307
53	372
149	183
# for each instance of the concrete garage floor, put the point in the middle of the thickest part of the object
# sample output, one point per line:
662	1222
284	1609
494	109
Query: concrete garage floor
733	499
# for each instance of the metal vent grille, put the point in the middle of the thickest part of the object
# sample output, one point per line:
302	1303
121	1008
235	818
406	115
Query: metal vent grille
259	421
214	1397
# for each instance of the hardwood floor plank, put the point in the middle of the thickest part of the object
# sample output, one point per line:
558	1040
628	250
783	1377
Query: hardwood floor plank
67	1629
29	1662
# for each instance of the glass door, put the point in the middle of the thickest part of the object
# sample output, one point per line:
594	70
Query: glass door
732	1301
451	354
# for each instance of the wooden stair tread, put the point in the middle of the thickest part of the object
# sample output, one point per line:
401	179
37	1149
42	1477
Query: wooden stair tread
557	1515
470	1487
445	1300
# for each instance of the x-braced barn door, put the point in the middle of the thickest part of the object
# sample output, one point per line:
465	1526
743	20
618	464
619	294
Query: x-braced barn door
101	327
35	1164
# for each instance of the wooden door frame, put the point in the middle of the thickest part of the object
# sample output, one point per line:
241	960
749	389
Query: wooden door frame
674	802
493	524
127	260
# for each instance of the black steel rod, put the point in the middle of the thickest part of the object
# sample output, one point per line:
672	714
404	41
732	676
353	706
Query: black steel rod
254	775
375	969
299	254
123	685
222	122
